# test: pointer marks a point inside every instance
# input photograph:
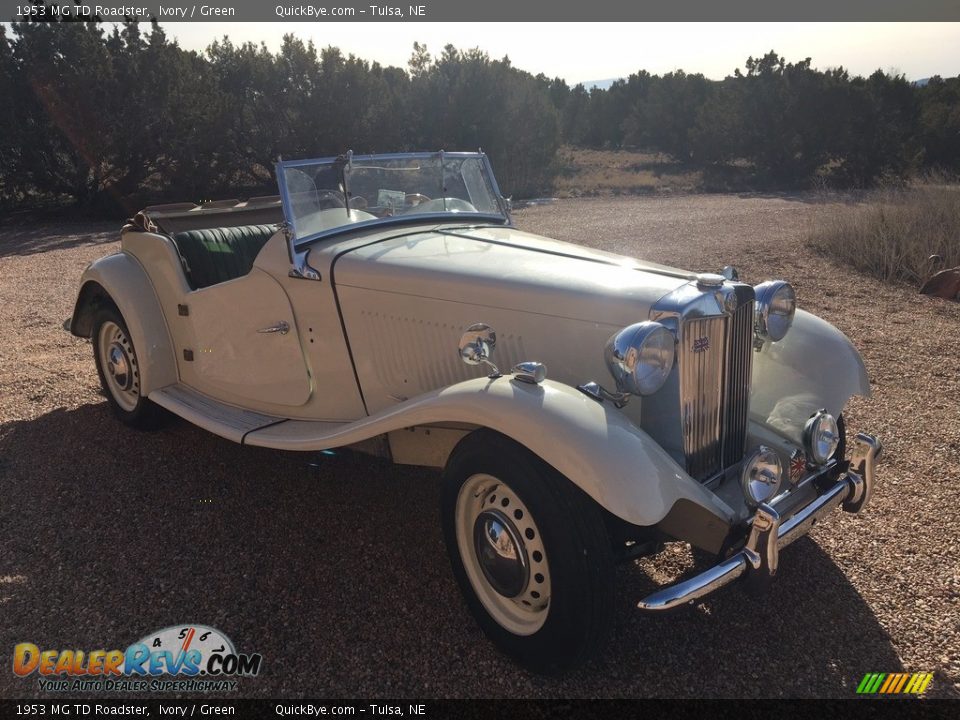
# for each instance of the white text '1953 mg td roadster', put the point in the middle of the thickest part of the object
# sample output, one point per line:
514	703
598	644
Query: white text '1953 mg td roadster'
626	403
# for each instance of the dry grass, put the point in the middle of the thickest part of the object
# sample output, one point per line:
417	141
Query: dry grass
605	173
893	233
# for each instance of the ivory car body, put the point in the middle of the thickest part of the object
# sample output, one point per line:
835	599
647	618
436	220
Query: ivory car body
584	407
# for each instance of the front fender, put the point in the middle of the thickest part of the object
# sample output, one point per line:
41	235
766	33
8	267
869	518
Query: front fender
127	284
592	444
815	366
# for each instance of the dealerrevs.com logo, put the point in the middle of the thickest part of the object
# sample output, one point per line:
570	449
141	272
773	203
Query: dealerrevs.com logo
180	658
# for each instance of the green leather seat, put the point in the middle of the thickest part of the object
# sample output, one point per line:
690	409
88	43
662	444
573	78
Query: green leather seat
215	255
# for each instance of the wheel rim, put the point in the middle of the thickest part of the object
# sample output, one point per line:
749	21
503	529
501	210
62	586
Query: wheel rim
119	363
503	554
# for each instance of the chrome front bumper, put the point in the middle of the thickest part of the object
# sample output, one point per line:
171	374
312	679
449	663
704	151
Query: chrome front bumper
768	534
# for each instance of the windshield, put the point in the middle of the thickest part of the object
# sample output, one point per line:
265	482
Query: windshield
327	195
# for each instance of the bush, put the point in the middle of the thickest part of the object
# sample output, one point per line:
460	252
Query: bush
892	233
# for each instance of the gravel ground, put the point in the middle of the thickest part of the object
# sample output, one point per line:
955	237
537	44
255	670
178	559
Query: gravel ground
335	571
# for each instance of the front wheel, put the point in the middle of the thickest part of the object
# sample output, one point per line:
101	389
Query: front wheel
530	552
119	371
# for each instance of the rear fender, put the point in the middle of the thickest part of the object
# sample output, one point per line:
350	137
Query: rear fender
120	279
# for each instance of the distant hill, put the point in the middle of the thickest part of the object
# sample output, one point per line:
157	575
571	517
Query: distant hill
605	84
600	84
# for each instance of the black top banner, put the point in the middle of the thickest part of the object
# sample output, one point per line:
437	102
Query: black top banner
321	11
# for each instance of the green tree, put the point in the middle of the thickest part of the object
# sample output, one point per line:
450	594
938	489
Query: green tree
881	130
664	117
940	123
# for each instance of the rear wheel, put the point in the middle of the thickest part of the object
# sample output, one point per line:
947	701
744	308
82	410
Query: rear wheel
530	552
119	371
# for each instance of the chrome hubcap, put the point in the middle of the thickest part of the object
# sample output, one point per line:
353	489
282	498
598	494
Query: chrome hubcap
119	362
503	554
119	366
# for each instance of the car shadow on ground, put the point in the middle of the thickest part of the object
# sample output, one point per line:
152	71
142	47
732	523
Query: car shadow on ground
28	236
333	568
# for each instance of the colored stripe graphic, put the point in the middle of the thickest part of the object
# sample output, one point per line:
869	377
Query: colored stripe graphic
889	681
894	683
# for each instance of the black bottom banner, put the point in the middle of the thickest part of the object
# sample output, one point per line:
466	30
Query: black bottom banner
486	709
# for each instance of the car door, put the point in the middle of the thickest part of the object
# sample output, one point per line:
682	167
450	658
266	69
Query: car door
245	345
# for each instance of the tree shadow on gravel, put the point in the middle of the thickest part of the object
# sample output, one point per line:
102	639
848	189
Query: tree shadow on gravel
24	238
334	569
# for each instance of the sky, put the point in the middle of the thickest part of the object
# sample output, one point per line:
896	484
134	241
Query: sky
581	52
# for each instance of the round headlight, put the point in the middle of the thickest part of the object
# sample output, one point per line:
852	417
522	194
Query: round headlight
640	357
821	436
760	475
776	305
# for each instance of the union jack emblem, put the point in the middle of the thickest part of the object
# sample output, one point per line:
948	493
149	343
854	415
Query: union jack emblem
798	465
701	344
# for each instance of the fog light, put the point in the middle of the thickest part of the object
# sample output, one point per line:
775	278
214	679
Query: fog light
821	436
760	475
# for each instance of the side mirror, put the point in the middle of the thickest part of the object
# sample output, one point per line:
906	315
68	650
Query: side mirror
476	346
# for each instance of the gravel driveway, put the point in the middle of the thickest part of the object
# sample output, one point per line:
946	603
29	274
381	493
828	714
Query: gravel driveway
334	568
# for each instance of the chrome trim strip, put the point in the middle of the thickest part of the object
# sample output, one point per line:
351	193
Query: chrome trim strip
852	490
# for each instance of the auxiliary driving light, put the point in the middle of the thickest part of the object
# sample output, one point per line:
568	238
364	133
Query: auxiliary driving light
760	476
821	436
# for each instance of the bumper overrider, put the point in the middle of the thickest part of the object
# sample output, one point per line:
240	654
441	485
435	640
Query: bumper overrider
769	533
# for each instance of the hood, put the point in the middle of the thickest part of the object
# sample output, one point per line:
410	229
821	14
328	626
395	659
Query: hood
508	268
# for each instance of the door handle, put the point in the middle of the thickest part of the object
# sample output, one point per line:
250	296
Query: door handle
281	327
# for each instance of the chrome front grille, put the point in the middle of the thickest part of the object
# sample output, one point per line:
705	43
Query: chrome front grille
737	390
715	362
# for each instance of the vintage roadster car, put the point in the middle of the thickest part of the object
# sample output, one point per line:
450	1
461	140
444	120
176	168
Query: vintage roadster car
626	403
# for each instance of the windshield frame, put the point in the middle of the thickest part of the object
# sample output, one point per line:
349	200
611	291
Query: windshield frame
299	245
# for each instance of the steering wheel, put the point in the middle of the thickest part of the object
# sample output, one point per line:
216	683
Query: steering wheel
330	199
413	199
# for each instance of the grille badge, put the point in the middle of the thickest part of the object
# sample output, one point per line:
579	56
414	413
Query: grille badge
730	302
701	344
798	465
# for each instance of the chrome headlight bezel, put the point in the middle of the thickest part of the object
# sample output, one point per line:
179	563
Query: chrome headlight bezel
821	437
761	475
775	307
640	357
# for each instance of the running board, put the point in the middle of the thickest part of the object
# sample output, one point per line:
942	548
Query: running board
224	420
